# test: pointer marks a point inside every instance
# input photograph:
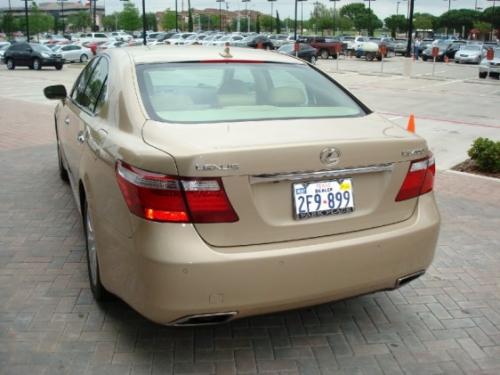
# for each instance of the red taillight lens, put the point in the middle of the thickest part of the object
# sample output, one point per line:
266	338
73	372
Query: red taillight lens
158	197
419	179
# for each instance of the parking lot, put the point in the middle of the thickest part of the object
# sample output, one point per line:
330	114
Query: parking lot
447	322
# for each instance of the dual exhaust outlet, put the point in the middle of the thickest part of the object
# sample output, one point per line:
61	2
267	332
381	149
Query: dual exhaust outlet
224	317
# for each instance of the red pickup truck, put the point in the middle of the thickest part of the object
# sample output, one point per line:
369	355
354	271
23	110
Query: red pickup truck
326	46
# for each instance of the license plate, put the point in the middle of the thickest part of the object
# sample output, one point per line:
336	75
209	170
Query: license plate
324	198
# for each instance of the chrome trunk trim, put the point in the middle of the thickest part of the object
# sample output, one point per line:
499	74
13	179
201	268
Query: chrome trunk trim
298	176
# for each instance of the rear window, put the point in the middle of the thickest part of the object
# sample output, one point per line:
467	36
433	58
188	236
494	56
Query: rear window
220	92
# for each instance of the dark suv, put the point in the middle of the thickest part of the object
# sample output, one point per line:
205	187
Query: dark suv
31	55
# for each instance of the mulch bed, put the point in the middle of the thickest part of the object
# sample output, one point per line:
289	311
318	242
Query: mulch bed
469	166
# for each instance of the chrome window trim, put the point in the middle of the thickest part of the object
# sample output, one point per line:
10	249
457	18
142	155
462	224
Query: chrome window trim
298	176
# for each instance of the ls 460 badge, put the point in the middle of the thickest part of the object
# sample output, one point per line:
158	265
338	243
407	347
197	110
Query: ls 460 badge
418	151
216	167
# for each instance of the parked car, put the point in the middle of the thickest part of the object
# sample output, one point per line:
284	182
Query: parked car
3	48
470	53
490	68
326	46
195	39
121	35
305	52
400	46
446	49
231	39
94	38
424	44
178	39
35	56
278	40
108	45
259	41
73	52
212	189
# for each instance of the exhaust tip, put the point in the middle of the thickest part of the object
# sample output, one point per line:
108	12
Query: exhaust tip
204	319
402	281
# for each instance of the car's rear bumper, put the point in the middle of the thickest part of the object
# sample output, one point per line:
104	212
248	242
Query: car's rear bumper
467	59
170	272
492	69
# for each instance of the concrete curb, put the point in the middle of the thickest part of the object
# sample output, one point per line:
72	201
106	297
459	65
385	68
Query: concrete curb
497	180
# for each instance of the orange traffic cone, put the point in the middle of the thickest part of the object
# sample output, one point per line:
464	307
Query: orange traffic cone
411	124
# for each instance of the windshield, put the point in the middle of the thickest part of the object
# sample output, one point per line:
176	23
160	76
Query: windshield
286	48
40	48
221	92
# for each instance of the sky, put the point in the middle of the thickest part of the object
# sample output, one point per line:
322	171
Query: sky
382	8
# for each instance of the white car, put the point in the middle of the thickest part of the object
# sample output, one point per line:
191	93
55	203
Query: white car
194	39
179	39
73	52
94	37
231	39
358	43
491	67
121	35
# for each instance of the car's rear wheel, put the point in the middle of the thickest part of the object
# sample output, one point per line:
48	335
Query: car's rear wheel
83	58
424	58
324	54
98	290
10	64
36	64
370	56
483	75
58	66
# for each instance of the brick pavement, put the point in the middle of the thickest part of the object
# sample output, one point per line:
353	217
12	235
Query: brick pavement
447	322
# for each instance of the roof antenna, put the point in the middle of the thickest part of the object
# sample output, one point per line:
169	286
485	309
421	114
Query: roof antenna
226	53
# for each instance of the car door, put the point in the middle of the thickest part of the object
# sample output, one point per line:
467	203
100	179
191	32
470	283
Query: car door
71	128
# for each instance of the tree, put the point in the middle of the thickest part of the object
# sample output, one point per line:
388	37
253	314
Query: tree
482	27
457	19
492	15
168	20
266	22
129	18
151	22
278	23
321	17
396	23
362	17
110	23
79	21
8	23
39	21
424	21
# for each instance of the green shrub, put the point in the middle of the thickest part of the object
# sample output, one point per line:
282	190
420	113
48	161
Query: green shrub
486	154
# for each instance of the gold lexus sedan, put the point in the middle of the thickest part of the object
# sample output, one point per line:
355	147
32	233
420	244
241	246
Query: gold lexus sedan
217	184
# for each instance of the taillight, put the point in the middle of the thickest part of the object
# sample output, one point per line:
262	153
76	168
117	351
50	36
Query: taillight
419	179
159	197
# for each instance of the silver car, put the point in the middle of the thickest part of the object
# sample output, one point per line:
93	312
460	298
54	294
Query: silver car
490	67
470	53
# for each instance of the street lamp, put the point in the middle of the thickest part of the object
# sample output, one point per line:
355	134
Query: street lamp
62	15
334	15
369	15
246	12
411	4
27	19
220	13
272	3
301	16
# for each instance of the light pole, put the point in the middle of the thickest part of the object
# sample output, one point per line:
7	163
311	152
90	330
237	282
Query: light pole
370	16
62	15
411	4
176	18
220	13
493	19
27	20
301	16
272	3
144	41
295	23
334	15
246	13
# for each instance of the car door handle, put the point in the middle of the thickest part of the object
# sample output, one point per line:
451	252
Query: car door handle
66	121
81	137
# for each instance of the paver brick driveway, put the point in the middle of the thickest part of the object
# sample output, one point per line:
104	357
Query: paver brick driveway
446	322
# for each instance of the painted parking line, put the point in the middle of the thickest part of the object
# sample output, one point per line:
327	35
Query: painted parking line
450	121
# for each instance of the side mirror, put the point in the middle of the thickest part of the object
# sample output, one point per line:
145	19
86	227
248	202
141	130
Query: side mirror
57	92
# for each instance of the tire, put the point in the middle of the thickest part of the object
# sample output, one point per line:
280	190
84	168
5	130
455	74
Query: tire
36	64
63	173
10	64
58	66
313	60
83	58
98	291
424	58
483	75
324	54
457	61
335	57
379	58
369	56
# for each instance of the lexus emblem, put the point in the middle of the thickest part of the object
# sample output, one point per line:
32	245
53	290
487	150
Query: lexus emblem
329	156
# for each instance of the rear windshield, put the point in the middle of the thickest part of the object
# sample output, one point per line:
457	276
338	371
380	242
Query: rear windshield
220	92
